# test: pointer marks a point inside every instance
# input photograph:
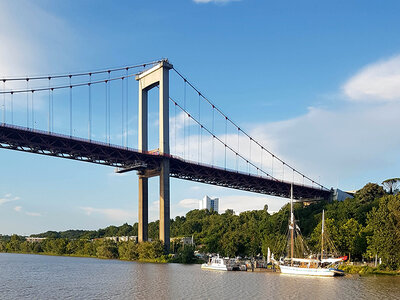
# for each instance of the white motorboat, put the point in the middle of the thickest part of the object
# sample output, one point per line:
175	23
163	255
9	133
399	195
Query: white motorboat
217	263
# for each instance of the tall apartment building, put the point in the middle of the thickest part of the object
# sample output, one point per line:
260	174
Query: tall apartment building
209	203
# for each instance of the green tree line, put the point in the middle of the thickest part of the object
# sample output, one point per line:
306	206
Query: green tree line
362	227
153	251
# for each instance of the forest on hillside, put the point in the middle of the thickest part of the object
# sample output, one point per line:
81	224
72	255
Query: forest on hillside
362	227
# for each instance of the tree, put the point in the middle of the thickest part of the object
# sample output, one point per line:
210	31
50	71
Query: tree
58	246
331	237
232	243
14	244
128	250
370	192
229	212
153	230
391	184
351	239
26	247
90	249
277	244
185	255
151	250
124	230
107	249
384	225
111	231
2	246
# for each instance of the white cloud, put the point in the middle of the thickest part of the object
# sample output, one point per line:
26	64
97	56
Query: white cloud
28	34
8	198
33	214
35	40
215	1
28	213
189	203
376	82
338	144
112	214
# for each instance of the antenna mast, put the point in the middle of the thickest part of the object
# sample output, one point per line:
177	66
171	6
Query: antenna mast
291	225
322	234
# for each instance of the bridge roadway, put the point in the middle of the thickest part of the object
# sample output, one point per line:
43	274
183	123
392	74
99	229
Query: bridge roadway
42	142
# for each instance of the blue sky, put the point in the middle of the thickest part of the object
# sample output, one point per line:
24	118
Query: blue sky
318	82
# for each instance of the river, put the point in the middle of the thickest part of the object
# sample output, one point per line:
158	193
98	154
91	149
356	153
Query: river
25	276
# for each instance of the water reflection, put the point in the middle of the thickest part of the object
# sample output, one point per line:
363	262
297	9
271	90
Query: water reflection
48	277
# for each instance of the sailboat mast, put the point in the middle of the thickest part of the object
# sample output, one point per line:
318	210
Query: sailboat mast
322	234
291	225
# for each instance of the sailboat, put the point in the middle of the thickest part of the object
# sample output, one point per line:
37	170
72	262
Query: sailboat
309	266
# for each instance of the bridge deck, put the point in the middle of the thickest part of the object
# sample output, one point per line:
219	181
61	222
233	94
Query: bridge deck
40	142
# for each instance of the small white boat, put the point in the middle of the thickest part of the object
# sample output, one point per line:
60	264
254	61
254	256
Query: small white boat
217	263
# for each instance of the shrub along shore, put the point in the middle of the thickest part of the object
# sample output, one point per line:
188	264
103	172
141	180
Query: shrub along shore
367	270
104	249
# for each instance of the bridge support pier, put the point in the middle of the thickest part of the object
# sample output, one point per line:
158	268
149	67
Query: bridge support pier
156	76
164	203
143	208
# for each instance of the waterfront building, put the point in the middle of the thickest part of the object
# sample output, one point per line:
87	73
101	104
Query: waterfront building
120	238
186	240
34	239
340	195
209	203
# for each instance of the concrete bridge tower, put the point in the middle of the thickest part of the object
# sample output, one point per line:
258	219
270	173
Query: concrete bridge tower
156	76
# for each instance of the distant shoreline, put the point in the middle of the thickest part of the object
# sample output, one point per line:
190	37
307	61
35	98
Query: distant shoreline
156	260
159	260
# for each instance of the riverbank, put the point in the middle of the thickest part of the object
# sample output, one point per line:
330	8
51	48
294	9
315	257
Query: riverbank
367	270
159	260
165	259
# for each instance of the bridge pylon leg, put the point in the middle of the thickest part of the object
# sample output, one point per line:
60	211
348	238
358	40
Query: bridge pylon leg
143	209
164	204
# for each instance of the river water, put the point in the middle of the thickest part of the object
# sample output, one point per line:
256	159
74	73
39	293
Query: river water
51	277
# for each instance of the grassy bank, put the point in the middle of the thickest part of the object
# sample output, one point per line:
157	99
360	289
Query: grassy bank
163	259
367	270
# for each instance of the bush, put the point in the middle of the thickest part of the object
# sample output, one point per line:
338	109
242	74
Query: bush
128	250
366	270
382	267
185	255
107	249
151	250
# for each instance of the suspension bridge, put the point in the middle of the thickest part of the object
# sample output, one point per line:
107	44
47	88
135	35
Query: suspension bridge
91	117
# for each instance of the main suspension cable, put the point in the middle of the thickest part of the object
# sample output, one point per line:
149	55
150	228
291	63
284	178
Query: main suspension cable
78	74
234	124
218	139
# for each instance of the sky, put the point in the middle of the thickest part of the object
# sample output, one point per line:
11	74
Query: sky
316	82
